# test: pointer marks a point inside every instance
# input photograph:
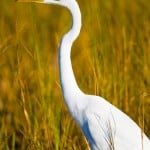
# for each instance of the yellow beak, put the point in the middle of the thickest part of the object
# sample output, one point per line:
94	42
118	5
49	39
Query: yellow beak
38	1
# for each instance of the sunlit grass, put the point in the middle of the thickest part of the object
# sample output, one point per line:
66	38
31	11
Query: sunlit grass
111	58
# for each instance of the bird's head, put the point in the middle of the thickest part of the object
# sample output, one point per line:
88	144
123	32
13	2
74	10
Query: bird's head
65	3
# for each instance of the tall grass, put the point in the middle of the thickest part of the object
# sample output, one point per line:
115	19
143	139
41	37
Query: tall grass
111	58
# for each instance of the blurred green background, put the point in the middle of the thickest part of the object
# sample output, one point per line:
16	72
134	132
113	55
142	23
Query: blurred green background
111	58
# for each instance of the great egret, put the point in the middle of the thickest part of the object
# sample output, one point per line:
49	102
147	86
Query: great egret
104	126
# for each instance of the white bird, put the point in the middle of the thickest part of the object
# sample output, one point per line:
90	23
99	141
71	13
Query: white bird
104	126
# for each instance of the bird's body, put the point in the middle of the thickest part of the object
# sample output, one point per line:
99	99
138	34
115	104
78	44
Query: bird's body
104	126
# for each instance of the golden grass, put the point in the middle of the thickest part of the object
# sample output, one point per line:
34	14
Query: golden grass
115	47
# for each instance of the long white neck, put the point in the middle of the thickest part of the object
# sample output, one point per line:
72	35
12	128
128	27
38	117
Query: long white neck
69	85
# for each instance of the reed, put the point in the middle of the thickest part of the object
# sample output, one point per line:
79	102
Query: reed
111	58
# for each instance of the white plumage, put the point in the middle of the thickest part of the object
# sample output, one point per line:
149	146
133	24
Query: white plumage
104	126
